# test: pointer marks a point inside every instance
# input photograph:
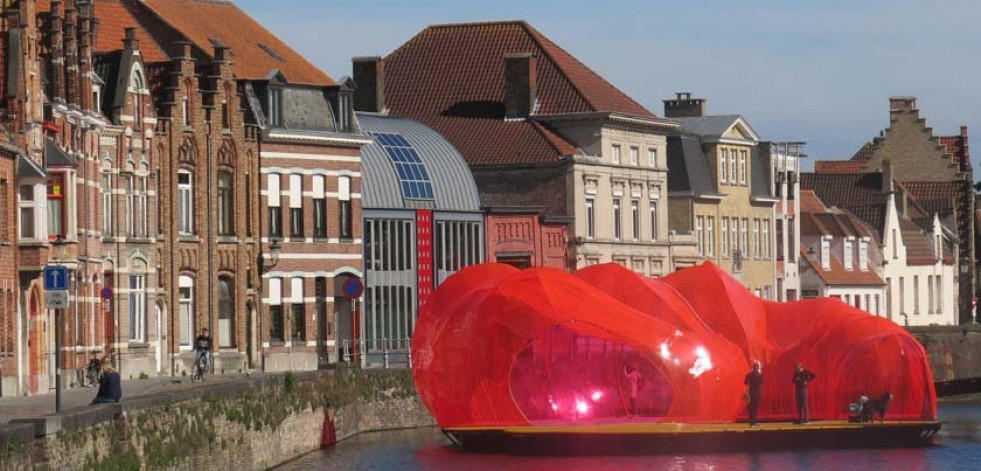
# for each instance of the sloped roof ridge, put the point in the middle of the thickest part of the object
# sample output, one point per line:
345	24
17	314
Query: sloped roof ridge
546	45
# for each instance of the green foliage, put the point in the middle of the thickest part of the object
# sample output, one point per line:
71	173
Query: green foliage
144	375
289	382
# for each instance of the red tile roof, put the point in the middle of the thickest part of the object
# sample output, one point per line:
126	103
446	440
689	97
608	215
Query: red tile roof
160	23
810	203
452	78
935	190
958	147
837	275
839	166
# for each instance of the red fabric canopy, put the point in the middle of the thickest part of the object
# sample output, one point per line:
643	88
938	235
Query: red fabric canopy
499	346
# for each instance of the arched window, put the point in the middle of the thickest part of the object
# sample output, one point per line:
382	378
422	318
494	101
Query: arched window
185	202
226	206
186	311
137	300
137	86
226	312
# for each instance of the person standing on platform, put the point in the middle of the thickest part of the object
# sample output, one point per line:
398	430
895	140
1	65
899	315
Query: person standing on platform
754	382
801	378
633	382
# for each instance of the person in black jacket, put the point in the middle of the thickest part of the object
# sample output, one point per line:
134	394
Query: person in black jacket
754	380
801	378
110	385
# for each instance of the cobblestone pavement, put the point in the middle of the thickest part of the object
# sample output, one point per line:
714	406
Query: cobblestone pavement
18	407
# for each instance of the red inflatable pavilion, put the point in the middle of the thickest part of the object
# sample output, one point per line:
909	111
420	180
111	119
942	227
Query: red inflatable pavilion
498	346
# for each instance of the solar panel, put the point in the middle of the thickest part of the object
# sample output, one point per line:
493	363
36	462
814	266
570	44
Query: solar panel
413	176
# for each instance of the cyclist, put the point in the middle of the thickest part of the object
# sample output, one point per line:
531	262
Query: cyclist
202	347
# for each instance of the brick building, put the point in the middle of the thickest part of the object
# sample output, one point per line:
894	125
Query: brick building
526	237
937	172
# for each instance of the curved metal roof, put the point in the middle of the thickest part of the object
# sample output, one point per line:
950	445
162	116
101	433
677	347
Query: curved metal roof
453	185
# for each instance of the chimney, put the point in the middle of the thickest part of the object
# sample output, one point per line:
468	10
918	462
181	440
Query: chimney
902	103
369	80
221	53
520	85
130	42
684	106
887	177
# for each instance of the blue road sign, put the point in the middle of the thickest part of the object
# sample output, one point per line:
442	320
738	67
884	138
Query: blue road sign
56	278
353	288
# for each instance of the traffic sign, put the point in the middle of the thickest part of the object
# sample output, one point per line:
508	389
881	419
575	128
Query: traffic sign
106	293
353	288
56	278
56	299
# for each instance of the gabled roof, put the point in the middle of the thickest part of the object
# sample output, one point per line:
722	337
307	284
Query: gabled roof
451	77
453	185
717	126
690	170
255	51
27	168
838	275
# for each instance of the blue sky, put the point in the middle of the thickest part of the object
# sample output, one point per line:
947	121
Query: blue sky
821	72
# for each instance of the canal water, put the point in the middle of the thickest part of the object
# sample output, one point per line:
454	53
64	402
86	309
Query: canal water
959	449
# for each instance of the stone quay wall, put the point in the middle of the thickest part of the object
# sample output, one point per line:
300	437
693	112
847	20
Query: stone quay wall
954	351
246	425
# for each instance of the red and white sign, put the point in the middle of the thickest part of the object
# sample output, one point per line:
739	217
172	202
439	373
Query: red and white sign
424	257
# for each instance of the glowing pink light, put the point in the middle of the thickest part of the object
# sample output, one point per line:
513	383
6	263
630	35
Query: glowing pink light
703	362
596	396
665	351
582	407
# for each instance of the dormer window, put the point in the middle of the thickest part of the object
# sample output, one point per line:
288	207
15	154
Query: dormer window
826	253
849	252
275	107
863	254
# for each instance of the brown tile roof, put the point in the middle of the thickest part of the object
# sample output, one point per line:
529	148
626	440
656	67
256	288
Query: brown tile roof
865	153
837	275
160	23
839	166
919	249
452	78
810	203
958	147
935	190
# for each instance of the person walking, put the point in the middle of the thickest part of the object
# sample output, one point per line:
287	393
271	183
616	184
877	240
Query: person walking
633	382
801	378
754	382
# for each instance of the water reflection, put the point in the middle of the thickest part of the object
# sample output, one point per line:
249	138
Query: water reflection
960	449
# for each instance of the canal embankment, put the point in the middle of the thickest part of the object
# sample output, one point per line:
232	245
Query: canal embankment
240	424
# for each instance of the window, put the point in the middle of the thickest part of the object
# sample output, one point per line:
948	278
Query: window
710	236
26	203
226	205
107	203
276	332
634	156
296	206
940	291
56	207
916	294
413	175
186	111
745	238
930	294
344	195
826	253
733	168
616	154
779	234
895	250
725	237
129	204
590	218
734	235
655	229
275	107
185	203
319	207
700	235
766	239
186	302
142	207
275	212
297	311
863	254
617	221
757	242
137	308
849	263
791	240
742	167
724	166
635	218
226	312
320	291
652	157
878	307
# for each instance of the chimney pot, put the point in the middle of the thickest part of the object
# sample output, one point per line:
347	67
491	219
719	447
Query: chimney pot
520	85
684	106
369	80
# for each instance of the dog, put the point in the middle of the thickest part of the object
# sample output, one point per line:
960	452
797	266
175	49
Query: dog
876	407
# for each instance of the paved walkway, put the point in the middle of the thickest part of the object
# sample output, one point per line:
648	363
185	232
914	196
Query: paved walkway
18	407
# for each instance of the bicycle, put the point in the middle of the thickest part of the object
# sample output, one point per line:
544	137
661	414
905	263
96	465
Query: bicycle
88	375
200	368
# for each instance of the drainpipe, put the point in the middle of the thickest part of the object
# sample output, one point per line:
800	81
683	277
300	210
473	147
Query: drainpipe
211	260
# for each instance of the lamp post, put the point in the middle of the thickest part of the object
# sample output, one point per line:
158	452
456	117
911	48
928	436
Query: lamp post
265	267
58	256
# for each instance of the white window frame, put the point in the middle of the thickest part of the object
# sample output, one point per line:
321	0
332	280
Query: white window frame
652	157
617	219
107	196
590	218
863	254
635	218
655	221
137	307
849	254
700	235
766	239
744	238
186	339
757	239
634	155
710	236
724	230
826	252
615	154
724	173
185	203
743	170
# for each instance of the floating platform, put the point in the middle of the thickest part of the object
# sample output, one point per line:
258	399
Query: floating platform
641	438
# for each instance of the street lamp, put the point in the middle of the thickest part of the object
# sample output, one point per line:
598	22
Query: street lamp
58	255
265	267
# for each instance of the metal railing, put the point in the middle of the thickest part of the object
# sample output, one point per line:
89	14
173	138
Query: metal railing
385	353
